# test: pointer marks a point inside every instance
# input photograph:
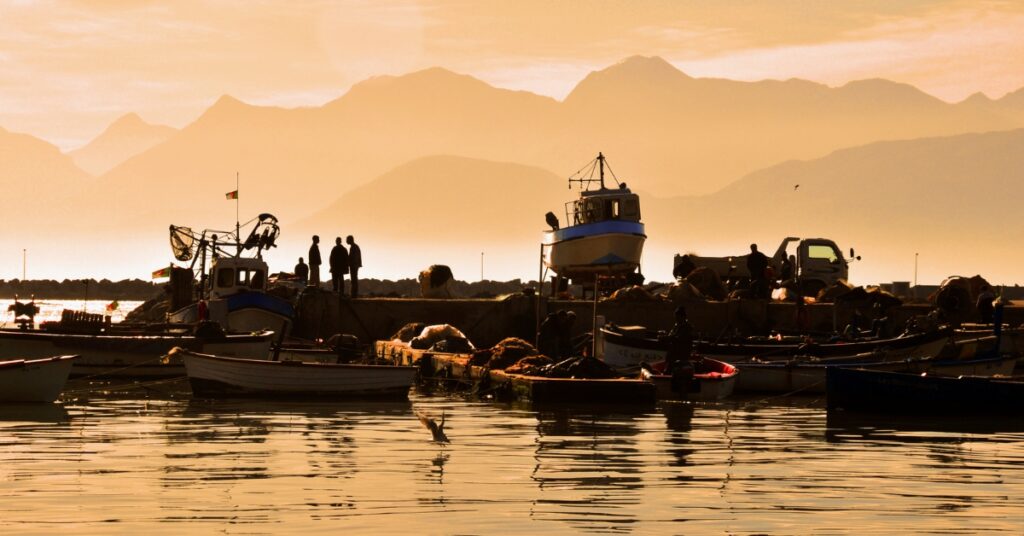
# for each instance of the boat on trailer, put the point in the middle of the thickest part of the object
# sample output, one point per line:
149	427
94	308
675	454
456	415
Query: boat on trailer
34	380
603	236
219	376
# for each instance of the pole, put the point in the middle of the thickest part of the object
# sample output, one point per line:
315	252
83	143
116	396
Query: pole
537	296
24	253
593	338
481	266
238	232
915	271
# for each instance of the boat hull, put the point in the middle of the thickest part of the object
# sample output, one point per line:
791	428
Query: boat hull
892	392
242	313
217	376
912	347
623	352
808	378
34	380
605	247
712	380
133	356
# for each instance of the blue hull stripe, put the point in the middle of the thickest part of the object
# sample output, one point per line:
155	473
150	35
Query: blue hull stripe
260	300
595	229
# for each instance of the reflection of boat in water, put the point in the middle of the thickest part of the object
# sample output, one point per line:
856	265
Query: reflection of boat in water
212	375
604	235
34	380
234	291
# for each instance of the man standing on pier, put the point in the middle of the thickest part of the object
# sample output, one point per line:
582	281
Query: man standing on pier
314	262
339	267
757	265
355	262
302	272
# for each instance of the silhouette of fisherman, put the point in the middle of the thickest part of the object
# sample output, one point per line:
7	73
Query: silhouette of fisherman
339	266
984	304
314	262
757	265
680	350
355	262
302	271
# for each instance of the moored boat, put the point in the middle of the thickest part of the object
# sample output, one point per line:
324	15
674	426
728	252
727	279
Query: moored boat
895	392
626	347
34	380
219	376
603	233
802	376
136	355
712	380
915	345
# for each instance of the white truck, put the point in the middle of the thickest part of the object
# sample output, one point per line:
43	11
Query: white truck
815	263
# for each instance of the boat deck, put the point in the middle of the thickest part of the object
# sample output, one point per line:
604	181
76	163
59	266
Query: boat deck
446	366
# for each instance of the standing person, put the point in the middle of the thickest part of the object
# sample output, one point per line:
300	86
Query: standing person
302	272
757	265
355	262
984	304
314	262
339	266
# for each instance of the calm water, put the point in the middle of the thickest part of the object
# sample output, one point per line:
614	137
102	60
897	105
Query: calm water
159	463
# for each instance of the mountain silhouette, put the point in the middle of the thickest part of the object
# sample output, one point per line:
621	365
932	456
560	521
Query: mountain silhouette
124	138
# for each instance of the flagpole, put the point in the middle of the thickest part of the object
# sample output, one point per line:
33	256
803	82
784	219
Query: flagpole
238	232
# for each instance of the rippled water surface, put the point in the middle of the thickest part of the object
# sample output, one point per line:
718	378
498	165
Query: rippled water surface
149	462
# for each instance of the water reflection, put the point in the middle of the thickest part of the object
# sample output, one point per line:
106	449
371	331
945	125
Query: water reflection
33	413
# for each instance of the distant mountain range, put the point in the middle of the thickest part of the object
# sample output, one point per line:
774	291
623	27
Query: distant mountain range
123	139
368	162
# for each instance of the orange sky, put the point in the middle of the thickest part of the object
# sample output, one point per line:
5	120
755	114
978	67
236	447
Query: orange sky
67	69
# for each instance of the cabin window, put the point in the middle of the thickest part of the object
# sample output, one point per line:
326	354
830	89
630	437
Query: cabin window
225	277
611	208
256	281
630	209
822	252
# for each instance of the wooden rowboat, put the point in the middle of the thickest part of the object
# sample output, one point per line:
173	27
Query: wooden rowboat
215	376
34	380
712	380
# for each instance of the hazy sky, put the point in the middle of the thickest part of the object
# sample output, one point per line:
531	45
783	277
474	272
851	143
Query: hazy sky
69	68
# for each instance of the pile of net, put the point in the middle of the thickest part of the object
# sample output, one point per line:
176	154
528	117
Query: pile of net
442	338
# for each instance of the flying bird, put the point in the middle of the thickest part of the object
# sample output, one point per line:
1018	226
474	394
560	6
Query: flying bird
795	187
436	430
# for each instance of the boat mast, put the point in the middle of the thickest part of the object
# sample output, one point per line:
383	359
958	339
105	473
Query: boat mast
600	161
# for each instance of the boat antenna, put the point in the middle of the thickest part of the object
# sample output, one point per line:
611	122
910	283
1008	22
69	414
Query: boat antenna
585	175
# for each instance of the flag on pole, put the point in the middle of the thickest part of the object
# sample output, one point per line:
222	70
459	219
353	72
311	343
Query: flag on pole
161	273
112	306
231	195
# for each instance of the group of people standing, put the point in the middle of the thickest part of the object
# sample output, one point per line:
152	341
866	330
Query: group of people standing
342	261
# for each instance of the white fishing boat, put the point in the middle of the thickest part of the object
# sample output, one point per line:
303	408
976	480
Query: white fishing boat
34	380
626	347
216	376
134	355
603	235
232	288
807	375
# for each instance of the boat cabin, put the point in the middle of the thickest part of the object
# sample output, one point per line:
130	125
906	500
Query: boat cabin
232	275
603	205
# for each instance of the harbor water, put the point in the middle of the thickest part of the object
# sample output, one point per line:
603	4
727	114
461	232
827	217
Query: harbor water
152	460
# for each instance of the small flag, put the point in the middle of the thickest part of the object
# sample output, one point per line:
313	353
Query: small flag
161	273
231	195
112	306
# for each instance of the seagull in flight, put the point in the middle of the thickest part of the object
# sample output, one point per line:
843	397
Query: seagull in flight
795	187
436	430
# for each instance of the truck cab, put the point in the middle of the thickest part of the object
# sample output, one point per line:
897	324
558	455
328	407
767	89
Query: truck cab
817	262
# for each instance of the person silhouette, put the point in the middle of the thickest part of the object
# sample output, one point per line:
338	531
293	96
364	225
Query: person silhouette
302	271
355	262
314	262
339	266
